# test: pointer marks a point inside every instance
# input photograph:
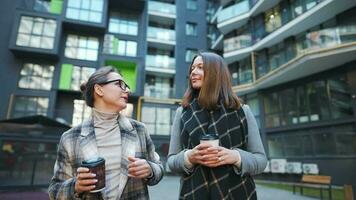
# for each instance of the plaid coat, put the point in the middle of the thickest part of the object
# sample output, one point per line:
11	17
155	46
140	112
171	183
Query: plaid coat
79	143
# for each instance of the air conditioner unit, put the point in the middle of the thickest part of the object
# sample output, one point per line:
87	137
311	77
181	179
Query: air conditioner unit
294	167
278	165
310	168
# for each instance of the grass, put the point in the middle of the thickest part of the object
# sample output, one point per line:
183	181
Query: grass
337	194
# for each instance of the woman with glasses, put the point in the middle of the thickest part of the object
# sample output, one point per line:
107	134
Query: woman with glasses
215	143
131	162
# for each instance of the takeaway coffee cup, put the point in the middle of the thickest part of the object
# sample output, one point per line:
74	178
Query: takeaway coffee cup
212	139
96	166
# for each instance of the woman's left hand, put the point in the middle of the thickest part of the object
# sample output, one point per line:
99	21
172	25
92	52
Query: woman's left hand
139	168
225	157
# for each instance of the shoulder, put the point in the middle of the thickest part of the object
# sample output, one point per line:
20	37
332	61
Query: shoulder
72	133
246	109
136	124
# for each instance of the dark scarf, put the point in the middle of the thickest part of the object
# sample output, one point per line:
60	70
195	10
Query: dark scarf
221	182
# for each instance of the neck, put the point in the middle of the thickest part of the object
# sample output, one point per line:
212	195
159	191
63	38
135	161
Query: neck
105	108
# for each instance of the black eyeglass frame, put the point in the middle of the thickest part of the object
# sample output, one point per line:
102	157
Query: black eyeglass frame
122	84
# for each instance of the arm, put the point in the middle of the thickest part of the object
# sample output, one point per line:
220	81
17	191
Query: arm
153	161
63	181
176	154
253	160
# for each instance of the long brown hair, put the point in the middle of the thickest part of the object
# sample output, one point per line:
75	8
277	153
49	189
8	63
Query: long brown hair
216	85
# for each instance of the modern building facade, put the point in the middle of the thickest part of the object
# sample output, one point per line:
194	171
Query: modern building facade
49	47
292	61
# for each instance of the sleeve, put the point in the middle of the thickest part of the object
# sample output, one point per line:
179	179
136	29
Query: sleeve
62	183
176	155
153	161
253	160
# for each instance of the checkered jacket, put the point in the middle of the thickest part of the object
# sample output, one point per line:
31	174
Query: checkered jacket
79	143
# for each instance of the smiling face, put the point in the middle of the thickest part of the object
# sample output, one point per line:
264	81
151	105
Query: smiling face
197	73
113	94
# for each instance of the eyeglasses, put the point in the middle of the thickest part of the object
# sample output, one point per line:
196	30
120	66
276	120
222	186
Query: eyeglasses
119	82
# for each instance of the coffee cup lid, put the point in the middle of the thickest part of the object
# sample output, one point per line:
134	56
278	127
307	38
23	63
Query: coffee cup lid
93	161
209	137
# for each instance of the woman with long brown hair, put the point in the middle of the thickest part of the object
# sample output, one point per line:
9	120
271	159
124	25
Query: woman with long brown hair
211	109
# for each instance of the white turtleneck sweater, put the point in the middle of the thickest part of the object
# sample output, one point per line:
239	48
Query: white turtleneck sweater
108	140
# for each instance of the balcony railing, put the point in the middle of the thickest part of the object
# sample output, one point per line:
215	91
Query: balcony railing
238	42
161	7
326	38
161	34
152	91
234	10
160	61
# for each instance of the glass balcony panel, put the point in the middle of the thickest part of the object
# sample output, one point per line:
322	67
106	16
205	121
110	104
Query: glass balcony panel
161	34
238	42
160	61
234	11
161	7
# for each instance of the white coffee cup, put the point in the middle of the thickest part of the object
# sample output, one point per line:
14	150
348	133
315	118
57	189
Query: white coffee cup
212	139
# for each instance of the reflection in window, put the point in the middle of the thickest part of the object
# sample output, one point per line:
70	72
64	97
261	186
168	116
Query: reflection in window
158	120
42	5
191	29
36	32
85	10
340	97
189	54
272	110
114	45
124	24
241	72
80	75
35	76
26	163
273	19
27	106
81	112
160	87
81	47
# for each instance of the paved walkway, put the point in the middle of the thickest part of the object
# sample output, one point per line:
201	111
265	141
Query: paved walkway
168	189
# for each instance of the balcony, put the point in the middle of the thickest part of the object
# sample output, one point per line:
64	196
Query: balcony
160	64
320	51
238	42
164	93
162	9
236	16
161	37
315	16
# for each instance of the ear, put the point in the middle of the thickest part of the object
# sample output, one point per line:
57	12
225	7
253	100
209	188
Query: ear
98	90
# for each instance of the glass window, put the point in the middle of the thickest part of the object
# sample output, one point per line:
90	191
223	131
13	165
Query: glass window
124	24
273	19
113	45
26	106
271	105
81	112
26	163
35	76
80	75
85	10
191	29
192	4
42	5
81	47
288	104
36	32
158	120
160	87
339	97
189	54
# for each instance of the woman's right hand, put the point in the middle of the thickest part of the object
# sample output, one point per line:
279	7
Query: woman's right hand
201	155
85	180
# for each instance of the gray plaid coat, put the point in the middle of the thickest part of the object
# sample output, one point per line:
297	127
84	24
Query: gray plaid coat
78	144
